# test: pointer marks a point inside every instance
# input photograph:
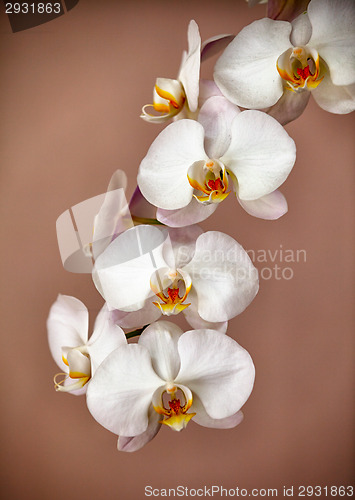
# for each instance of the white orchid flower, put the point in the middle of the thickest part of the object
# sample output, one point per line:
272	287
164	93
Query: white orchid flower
209	276
77	355
180	98
170	377
272	62
171	96
193	162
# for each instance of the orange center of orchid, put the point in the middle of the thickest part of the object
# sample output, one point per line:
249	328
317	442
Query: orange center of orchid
176	416
304	73
175	406
215	185
172	288
173	294
210	178
300	68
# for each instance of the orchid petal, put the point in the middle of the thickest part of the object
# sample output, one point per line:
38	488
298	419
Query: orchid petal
290	106
135	443
106	337
223	277
67	325
161	340
246	72
79	364
189	73
193	213
214	45
208	89
195	320
122	272
270	207
120	393
216	116
179	248
202	417
162	176
140	208
261	154
335	98
301	30
217	369
333	35
137	319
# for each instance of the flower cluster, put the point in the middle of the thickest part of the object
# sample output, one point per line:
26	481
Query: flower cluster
151	259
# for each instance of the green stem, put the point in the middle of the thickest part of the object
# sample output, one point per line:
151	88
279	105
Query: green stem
129	335
143	220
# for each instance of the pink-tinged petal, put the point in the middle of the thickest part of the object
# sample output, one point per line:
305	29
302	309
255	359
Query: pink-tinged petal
217	369
179	248
301	30
140	208
135	443
286	10
122	272
213	45
335	98
333	35
246	72
161	340
189	73
202	418
290	106
106	337
223	277
195	320
208	89
120	393
261	154
137	319
270	207
193	213
67	325
162	176
216	117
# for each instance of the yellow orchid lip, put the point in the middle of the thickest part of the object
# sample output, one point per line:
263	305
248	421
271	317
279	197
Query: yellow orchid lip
173	101
169	99
209	178
60	387
172	302
176	414
79	376
300	68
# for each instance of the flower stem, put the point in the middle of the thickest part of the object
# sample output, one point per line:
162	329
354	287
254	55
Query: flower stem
143	220
135	333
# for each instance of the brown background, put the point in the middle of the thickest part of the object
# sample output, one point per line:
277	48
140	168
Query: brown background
71	93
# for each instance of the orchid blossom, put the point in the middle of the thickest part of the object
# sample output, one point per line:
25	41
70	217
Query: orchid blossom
170	97
170	378
207	276
75	354
248	152
278	64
